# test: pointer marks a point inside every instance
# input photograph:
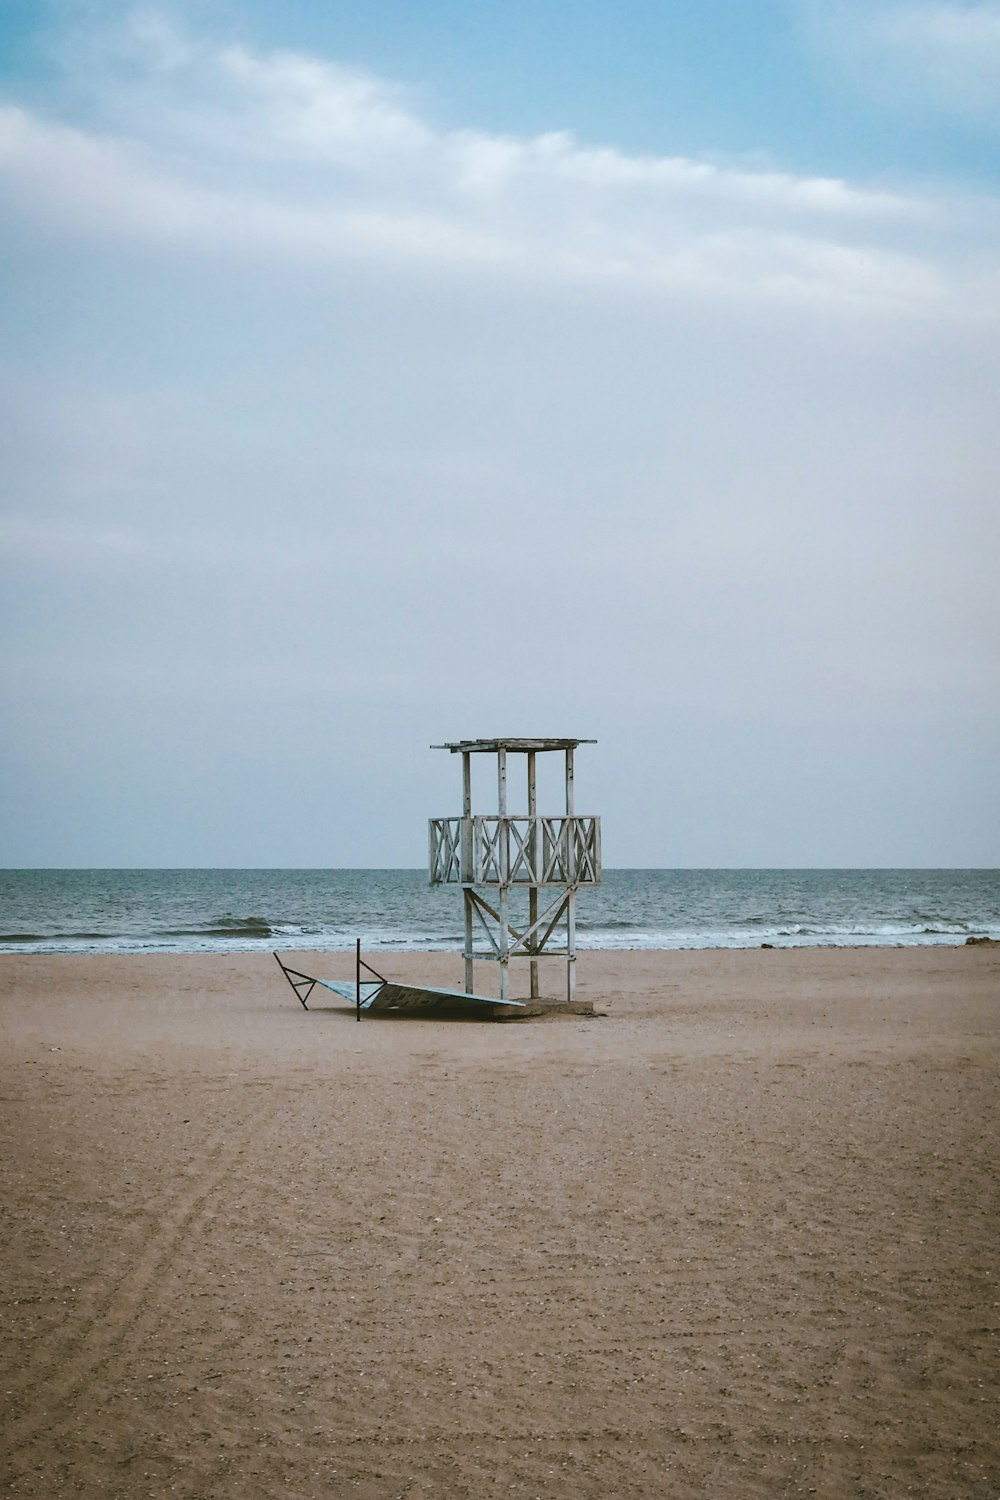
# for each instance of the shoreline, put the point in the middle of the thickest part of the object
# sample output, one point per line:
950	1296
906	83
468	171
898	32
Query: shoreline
400	911
736	1235
268	946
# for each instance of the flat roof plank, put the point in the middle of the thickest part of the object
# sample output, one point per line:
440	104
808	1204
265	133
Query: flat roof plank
493	745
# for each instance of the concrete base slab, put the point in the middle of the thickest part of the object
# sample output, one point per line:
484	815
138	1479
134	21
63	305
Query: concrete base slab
545	1007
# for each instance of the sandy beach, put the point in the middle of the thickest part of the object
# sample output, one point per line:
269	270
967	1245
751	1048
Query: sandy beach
734	1236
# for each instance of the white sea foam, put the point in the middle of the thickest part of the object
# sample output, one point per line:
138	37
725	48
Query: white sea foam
205	911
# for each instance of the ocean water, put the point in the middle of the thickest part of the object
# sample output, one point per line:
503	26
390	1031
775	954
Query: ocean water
184	911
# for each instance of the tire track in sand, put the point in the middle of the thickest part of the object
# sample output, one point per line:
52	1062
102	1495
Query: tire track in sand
53	1375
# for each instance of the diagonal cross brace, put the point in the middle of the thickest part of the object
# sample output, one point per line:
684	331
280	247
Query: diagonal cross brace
521	939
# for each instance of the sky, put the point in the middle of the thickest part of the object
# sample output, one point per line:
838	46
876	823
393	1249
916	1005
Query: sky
378	375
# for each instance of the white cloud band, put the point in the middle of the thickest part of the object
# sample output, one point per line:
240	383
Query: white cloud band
219	150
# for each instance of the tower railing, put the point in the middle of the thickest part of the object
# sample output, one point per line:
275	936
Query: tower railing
516	850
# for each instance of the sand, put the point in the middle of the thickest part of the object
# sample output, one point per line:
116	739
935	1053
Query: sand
735	1237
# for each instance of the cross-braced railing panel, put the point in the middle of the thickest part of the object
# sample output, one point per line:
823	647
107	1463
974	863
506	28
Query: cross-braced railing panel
586	836
540	851
446	851
517	851
488	851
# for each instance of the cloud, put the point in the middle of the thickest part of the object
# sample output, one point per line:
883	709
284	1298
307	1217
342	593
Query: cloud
954	48
320	413
921	55
217	149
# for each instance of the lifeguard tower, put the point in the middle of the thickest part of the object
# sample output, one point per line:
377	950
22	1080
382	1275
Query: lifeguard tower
547	856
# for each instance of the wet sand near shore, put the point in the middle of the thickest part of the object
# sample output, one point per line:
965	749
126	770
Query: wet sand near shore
735	1236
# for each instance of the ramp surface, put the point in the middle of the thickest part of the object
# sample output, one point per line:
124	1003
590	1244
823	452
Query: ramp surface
387	995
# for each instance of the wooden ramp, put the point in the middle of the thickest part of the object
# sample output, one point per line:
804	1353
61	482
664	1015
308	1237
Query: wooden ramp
380	994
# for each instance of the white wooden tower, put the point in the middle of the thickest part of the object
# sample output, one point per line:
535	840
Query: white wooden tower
509	853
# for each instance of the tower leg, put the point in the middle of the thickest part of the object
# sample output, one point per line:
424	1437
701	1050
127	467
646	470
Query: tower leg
467	871
532	919
533	847
571	893
504	872
504	941
469	985
571	943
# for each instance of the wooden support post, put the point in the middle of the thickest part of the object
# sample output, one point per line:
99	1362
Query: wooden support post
570	942
533	847
502	782
571	893
467	871
504	871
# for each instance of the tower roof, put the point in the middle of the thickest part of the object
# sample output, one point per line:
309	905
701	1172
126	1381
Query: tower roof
506	743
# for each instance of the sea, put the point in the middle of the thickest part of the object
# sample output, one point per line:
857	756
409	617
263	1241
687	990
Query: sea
211	911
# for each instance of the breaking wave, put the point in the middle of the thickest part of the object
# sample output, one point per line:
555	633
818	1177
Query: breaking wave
144	911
